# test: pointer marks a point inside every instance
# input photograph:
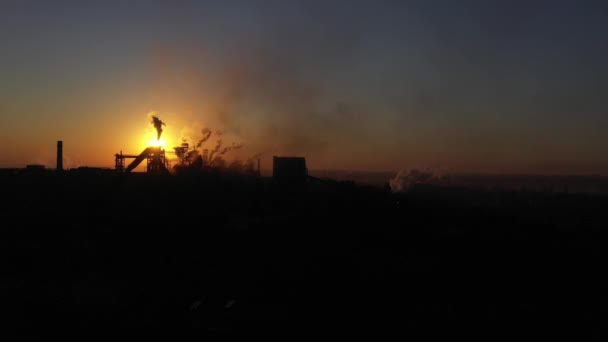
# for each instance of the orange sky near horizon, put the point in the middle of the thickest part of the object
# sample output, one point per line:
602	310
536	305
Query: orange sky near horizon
377	86
95	144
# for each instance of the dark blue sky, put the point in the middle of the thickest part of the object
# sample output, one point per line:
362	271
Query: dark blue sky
489	86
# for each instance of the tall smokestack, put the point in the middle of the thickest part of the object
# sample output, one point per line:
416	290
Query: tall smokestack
59	155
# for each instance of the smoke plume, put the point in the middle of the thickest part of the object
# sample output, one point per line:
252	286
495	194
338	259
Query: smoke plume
407	178
265	94
158	124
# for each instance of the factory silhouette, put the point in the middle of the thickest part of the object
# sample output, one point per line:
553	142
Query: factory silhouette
286	170
198	245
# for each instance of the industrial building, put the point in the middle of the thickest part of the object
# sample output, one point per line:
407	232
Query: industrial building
155	157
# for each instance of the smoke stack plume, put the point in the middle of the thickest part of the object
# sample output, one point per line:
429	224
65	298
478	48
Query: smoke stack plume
158	124
59	155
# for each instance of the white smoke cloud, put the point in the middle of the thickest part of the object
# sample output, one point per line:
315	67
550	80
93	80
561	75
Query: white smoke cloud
405	179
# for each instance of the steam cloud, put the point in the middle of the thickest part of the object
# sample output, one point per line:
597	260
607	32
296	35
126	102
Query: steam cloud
407	178
158	124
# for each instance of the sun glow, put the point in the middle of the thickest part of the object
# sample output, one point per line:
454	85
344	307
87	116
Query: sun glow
157	143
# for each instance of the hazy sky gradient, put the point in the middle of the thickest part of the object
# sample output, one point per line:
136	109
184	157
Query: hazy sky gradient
485	86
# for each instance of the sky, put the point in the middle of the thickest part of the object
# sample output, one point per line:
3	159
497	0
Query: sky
464	86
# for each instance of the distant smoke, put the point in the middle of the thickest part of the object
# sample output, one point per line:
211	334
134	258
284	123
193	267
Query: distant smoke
202	156
406	179
261	90
158	124
247	167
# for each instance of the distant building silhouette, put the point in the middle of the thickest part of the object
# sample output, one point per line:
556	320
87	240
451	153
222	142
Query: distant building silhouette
289	169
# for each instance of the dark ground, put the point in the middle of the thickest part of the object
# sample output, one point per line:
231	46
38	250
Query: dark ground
235	254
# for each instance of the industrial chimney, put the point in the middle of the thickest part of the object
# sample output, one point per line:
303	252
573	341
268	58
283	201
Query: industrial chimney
59	155
259	167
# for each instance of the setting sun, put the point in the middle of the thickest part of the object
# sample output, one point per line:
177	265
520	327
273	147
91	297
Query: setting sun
157	143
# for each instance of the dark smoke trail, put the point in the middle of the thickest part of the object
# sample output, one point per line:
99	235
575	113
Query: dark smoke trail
215	150
158	124
206	136
230	148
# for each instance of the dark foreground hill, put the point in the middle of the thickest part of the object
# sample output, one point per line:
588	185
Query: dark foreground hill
240	254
